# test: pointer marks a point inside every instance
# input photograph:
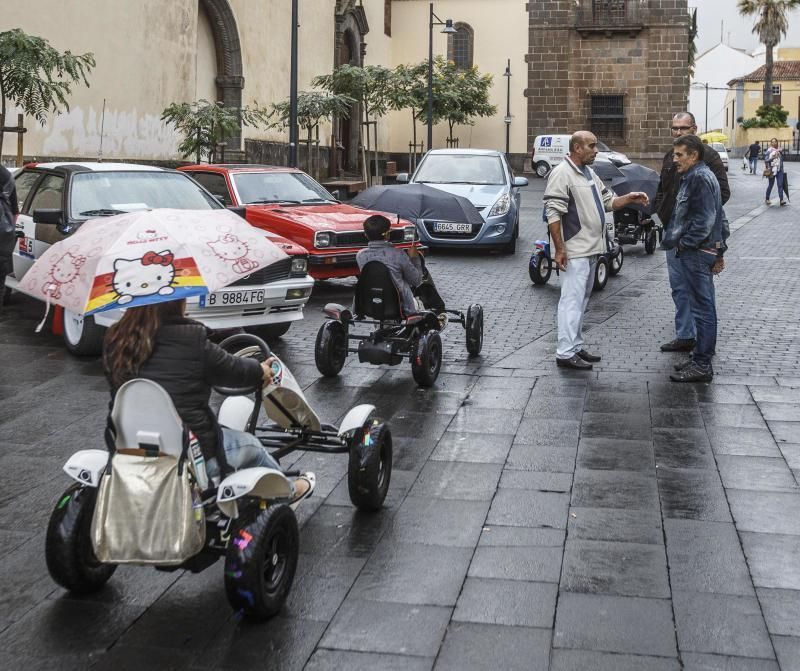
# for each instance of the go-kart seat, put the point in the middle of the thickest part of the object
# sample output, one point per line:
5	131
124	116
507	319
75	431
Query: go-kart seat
376	295
145	418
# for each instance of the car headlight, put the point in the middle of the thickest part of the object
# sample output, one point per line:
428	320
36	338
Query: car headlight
409	233
502	206
299	265
322	239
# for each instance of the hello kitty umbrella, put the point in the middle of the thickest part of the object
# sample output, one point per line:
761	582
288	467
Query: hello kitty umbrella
147	257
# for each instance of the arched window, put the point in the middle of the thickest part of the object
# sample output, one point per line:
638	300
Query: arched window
460	46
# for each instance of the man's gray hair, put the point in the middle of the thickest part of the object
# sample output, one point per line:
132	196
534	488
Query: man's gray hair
692	143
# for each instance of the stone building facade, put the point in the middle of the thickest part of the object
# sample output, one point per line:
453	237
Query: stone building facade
617	67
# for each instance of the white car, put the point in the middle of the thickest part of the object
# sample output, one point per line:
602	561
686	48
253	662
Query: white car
722	151
549	150
56	198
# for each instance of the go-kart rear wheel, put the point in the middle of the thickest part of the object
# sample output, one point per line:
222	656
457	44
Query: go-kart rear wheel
426	363
474	328
601	273
650	241
616	262
68	549
369	468
539	268
261	561
330	350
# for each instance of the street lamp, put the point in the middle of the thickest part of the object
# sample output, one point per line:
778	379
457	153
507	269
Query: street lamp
293	134
507	75
448	29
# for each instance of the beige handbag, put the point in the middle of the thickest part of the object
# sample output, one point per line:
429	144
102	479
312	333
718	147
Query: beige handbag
144	512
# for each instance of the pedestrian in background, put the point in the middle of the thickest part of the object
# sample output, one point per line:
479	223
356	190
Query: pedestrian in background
696	234
575	203
683	124
752	154
773	170
9	209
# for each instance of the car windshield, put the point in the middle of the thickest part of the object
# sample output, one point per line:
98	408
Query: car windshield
102	193
461	169
718	146
602	146
280	187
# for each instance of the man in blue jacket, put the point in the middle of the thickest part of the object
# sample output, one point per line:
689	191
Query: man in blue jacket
696	232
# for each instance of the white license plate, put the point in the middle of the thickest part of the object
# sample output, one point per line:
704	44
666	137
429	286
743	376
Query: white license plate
450	227
227	298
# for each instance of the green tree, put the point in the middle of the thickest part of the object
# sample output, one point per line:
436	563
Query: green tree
204	124
409	91
36	77
771	24
767	116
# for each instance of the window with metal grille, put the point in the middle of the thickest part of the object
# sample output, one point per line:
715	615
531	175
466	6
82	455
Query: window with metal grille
609	9
776	89
460	46
607	116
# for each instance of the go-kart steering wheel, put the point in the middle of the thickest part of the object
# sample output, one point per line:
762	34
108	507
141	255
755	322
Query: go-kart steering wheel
244	345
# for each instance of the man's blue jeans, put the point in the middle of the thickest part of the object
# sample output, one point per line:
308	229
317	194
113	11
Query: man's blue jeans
684	323
700	284
753	165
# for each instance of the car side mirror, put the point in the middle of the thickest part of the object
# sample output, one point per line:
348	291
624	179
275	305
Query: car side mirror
401	178
335	193
241	210
46	215
520	181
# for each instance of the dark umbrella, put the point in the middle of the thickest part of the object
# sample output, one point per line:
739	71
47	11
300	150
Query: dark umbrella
637	177
418	201
605	170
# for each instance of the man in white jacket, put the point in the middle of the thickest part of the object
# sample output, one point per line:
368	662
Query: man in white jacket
575	202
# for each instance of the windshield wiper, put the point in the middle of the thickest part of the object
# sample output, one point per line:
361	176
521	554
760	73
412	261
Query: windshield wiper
102	212
317	200
267	201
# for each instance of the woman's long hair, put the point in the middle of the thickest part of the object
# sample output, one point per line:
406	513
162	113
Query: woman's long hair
129	342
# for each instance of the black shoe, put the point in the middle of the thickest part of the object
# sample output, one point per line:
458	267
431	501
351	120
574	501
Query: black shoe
678	345
683	364
574	362
591	358
693	373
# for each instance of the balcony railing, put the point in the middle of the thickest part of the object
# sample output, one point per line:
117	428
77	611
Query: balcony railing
610	15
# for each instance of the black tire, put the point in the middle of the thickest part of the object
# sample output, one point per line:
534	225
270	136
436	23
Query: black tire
650	241
601	273
428	360
68	549
270	332
261	560
511	247
369	468
539	268
82	336
474	329
616	262
542	169
330	350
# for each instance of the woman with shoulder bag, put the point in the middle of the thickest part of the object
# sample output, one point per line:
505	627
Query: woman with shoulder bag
773	170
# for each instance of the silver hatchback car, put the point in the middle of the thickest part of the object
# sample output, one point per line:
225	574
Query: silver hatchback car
485	178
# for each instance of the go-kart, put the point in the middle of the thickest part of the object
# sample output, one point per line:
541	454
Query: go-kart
248	518
541	264
415	337
631	227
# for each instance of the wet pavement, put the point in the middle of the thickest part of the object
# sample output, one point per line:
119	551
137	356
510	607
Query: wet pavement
537	518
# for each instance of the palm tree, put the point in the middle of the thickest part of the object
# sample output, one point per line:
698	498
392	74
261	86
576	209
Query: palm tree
771	25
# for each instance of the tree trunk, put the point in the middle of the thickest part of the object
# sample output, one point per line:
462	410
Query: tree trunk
768	75
2	120
414	135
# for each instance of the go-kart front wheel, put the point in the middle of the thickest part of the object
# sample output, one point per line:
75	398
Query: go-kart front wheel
261	561
539	268
616	262
369	468
474	328
68	549
330	350
425	364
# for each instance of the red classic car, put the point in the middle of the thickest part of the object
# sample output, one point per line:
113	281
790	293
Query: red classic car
288	202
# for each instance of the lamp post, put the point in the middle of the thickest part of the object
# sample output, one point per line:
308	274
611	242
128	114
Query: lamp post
448	29
293	131
507	75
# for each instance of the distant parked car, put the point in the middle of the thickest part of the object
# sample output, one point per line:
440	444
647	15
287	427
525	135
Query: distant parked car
722	151
549	150
290	203
485	178
56	198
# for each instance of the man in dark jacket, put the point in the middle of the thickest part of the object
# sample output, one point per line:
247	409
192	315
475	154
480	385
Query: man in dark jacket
752	154
683	123
9	209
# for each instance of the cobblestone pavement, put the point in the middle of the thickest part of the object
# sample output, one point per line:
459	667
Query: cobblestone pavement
537	519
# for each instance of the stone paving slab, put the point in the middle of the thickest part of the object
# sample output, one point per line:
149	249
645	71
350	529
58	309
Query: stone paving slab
537	518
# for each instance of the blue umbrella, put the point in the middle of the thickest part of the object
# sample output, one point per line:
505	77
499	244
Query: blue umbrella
418	201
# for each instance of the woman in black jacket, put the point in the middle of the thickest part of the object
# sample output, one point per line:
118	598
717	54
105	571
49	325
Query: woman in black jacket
158	343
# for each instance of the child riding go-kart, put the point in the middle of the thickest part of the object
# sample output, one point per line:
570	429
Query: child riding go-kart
147	500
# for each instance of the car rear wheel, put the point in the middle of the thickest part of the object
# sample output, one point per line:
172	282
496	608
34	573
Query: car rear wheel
82	336
542	169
